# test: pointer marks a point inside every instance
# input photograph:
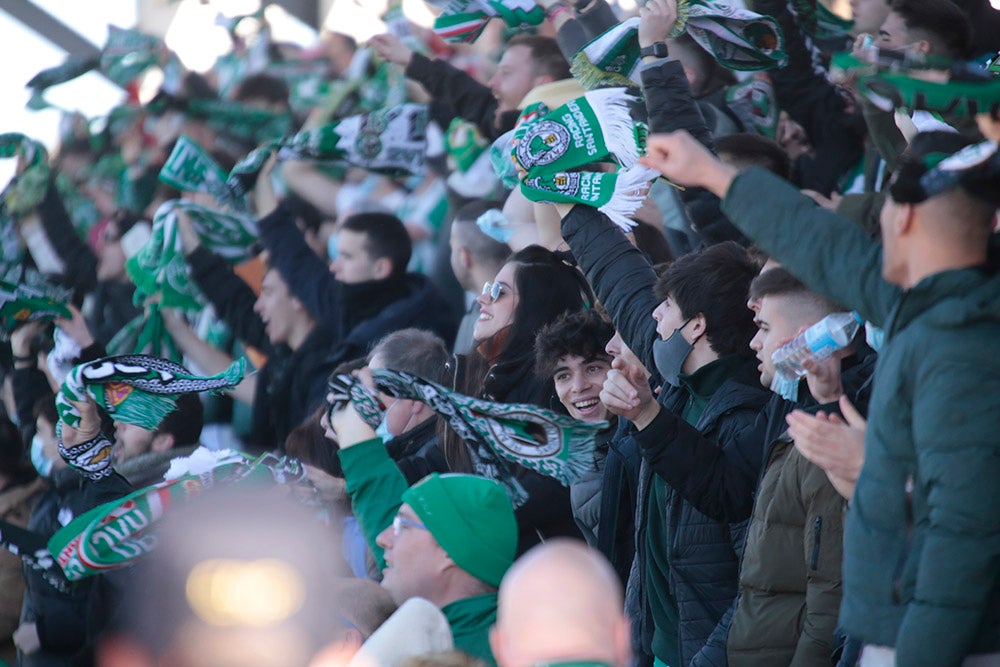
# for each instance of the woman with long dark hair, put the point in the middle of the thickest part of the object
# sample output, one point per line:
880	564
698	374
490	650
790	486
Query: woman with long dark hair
531	290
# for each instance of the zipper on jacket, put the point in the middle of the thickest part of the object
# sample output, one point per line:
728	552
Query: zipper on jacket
817	530
897	575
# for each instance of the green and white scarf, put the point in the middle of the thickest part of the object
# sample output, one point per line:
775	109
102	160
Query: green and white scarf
135	389
889	87
588	129
239	120
464	20
160	268
389	141
19	198
549	147
126	55
120	532
550	443
756	103
618	195
737	38
189	168
819	22
464	143
21	302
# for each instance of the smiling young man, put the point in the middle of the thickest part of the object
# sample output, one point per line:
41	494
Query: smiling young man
449	538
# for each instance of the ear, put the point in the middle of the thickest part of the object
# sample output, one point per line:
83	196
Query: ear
162	442
699	326
904	221
382	268
623	642
923	46
464	257
497	646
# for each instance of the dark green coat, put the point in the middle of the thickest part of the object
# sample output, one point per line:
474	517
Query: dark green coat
922	536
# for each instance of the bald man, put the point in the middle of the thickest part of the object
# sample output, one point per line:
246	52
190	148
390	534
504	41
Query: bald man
561	602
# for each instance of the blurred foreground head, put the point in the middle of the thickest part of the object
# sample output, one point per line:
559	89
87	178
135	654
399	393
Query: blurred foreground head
242	578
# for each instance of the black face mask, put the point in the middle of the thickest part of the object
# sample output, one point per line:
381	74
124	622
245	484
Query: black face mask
669	355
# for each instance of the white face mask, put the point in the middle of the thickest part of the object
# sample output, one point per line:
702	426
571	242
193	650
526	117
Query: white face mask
38	459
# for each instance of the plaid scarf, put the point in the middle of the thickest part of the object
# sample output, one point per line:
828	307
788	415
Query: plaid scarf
388	141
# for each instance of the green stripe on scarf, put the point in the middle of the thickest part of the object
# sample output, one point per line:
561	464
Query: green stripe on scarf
889	86
19	198
618	195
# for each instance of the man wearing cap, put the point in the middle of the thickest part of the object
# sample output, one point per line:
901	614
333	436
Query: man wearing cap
449	538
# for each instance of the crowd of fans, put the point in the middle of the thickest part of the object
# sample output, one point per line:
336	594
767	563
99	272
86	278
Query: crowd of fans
727	514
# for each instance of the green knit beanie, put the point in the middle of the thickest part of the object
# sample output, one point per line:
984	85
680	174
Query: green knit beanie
471	518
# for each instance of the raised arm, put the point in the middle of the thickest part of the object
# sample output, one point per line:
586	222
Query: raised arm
620	274
829	253
306	275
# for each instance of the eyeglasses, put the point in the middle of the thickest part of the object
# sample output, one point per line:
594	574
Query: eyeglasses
399	522
494	291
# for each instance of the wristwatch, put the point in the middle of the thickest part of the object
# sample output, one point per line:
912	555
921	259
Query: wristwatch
656	50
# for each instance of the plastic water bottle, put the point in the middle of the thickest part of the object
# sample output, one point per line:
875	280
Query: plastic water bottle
833	332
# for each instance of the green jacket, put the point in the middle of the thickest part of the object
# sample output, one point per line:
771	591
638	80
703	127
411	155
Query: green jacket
376	485
922	536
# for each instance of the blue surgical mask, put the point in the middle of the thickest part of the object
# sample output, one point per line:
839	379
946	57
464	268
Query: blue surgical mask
494	224
382	431
38	459
669	355
874	336
786	387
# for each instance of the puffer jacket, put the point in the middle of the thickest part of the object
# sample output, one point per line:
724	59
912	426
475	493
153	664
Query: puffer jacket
922	536
790	582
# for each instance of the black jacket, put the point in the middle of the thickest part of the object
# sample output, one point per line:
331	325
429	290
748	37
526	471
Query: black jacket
292	384
455	94
417	453
357	315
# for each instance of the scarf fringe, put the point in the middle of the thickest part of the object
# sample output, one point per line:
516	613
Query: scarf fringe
630	191
611	108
